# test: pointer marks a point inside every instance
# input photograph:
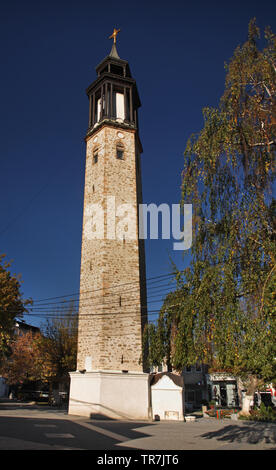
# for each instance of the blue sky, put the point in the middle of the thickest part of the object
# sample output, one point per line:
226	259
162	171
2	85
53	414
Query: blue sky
49	51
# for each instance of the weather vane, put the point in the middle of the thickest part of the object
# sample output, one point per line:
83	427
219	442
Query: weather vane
114	34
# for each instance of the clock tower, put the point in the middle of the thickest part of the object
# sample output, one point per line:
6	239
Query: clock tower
110	377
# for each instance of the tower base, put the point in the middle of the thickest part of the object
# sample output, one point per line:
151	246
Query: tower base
112	394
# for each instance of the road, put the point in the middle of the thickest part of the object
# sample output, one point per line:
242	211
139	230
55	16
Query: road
25	426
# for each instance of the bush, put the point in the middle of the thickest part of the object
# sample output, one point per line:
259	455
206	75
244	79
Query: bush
264	413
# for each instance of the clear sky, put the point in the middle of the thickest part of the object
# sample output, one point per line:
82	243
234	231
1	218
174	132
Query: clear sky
49	50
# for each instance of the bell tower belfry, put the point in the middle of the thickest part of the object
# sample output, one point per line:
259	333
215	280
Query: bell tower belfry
110	377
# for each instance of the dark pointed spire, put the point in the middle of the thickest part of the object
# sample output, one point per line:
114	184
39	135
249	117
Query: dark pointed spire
114	52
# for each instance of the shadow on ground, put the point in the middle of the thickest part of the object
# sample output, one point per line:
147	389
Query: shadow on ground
252	433
38	433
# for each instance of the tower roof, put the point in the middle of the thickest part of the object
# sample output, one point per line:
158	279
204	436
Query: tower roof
113	57
113	95
114	52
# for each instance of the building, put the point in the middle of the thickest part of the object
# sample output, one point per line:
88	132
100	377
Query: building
202	387
223	389
21	328
196	390
110	377
167	396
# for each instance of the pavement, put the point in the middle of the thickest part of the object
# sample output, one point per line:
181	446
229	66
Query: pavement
25	426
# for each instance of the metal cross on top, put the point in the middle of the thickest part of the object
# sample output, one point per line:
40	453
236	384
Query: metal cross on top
114	34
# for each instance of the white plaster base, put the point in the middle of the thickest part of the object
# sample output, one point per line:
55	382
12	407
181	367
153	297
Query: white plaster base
167	400
113	394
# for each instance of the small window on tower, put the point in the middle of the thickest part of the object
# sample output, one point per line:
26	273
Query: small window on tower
95	157
120	152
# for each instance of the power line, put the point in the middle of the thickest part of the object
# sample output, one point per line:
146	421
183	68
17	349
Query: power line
103	314
82	303
121	301
108	294
127	313
85	304
91	315
39	310
114	314
101	288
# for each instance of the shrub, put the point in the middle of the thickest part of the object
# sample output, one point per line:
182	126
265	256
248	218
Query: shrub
264	413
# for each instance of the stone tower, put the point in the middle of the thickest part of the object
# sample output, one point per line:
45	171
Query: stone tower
112	304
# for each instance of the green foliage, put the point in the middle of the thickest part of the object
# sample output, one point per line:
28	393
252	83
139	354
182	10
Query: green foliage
264	413
225	315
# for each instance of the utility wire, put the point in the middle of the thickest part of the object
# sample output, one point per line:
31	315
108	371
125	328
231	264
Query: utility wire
99	289
39	310
61	312
109	294
103	314
152	312
120	300
84	302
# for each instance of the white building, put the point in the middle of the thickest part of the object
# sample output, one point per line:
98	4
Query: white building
167	396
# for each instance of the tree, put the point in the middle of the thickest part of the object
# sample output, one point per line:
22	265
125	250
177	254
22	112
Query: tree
162	338
59	343
23	365
45	357
226	297
11	305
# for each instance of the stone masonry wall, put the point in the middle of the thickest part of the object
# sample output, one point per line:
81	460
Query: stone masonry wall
112	284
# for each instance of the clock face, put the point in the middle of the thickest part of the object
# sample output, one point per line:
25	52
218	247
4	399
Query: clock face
95	140
120	135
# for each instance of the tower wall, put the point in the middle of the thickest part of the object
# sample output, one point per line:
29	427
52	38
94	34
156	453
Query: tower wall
112	308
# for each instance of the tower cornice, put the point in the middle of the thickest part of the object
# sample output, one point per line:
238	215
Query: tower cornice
111	59
116	125
111	77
